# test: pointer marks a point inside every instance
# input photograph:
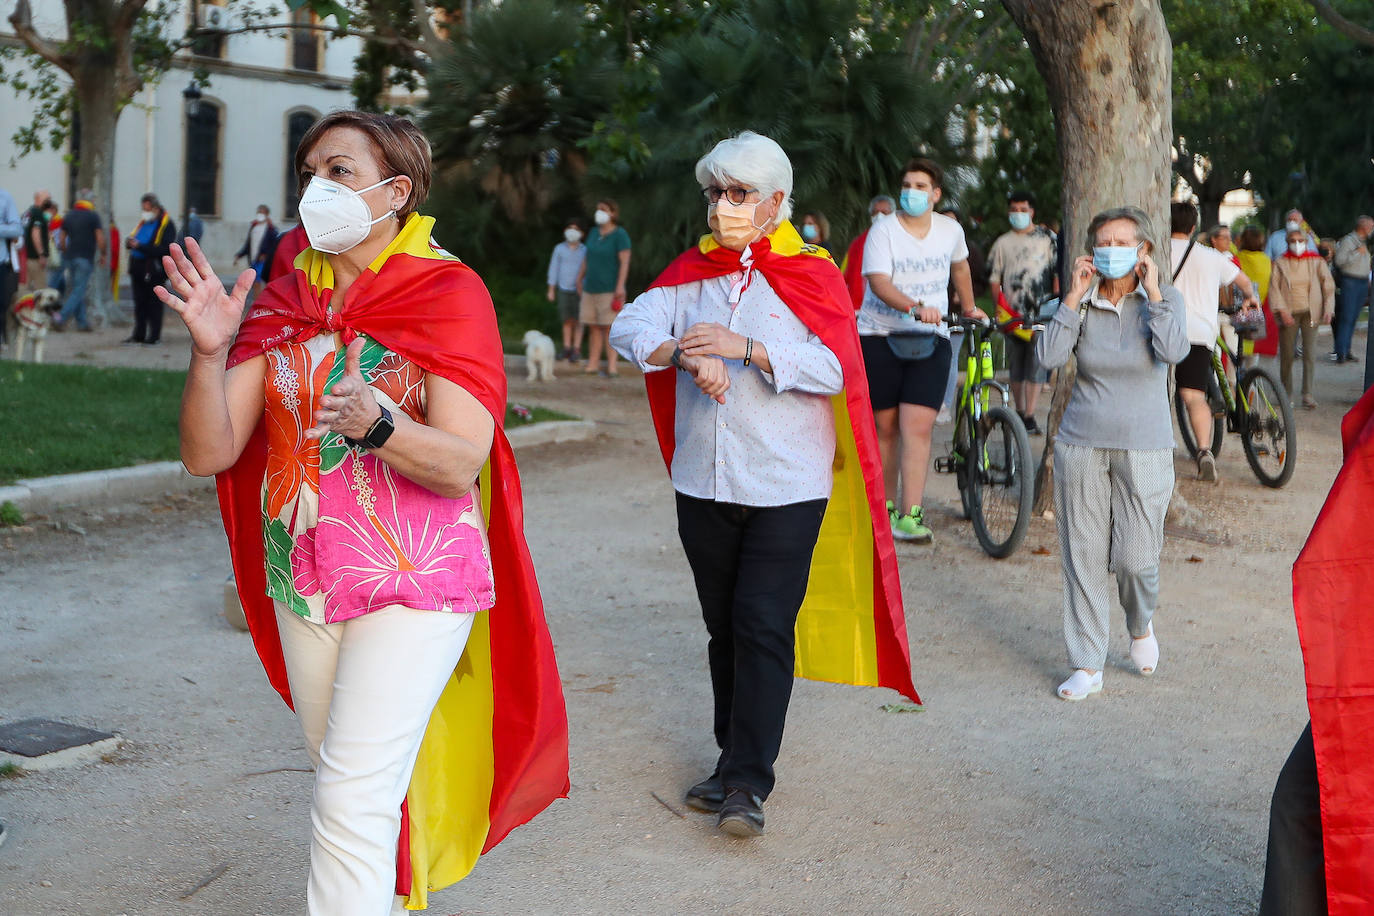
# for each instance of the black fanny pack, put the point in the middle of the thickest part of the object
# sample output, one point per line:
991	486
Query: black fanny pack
912	347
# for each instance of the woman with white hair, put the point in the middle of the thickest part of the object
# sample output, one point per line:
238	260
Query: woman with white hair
1114	453
759	330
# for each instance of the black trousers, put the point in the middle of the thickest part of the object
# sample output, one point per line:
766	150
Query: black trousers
1295	868
147	309
751	566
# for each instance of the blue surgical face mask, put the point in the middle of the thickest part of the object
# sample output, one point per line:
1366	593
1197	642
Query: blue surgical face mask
1019	221
914	202
1114	261
809	232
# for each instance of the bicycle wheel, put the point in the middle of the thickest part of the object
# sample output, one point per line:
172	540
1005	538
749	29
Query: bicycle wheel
1267	431
963	458
1000	482
1185	427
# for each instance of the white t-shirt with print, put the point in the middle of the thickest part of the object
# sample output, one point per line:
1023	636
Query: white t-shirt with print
918	267
1201	279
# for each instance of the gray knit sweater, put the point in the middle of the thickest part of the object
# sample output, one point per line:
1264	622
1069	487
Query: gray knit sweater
1121	396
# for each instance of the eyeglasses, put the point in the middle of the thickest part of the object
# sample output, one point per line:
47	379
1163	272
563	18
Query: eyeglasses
735	194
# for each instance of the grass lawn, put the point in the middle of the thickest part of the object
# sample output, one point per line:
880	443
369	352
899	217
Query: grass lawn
64	419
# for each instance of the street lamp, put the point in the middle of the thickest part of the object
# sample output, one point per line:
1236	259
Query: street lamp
192	96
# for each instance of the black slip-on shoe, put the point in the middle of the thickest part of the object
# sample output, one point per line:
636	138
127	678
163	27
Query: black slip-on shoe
707	795
741	814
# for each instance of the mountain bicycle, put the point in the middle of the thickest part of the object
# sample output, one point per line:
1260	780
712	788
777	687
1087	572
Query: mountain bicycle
990	455
1257	408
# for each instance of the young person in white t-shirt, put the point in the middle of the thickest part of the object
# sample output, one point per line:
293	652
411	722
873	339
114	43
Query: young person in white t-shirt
908	263
1200	279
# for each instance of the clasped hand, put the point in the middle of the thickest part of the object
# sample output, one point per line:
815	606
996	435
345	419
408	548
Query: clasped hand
349	408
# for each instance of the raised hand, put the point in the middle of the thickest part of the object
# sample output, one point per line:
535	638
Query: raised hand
1082	277
211	314
349	408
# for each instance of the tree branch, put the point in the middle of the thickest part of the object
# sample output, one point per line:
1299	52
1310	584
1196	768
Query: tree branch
128	14
1347	28
430	42
398	41
22	22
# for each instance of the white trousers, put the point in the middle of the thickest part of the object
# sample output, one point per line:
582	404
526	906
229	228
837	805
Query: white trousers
363	691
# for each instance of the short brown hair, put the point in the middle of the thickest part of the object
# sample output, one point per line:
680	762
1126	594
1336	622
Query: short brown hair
401	149
1251	239
928	166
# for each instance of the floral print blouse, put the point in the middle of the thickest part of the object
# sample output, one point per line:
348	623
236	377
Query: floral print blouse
344	534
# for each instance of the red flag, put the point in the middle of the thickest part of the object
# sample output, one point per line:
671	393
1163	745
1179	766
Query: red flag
1332	581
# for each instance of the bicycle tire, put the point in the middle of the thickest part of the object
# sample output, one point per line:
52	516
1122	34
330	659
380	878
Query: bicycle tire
1268	431
1185	427
963	450
1001	464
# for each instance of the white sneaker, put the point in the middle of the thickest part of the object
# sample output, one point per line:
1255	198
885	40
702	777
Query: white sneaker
944	416
1145	651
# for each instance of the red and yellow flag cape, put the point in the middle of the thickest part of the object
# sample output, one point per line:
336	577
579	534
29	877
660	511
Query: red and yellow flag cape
496	750
851	628
853	270
1332	581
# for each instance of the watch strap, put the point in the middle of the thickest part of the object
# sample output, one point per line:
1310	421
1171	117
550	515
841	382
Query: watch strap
378	433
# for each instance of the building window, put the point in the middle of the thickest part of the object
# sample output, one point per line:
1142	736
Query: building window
297	123
307	44
202	158
210	17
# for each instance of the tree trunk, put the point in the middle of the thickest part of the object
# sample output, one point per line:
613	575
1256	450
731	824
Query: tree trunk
98	105
1108	68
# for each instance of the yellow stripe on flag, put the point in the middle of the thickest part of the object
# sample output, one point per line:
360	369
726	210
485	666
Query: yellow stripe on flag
836	638
450	790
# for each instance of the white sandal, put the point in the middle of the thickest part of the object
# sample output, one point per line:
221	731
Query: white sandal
1079	685
1145	651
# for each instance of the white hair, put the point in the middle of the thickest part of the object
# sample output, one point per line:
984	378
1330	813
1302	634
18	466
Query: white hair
752	160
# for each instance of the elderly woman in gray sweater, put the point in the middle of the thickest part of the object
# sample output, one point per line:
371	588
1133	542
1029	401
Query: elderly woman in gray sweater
1113	456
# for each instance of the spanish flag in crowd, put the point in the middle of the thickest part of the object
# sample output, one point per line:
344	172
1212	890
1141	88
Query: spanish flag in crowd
1332	581
495	753
851	628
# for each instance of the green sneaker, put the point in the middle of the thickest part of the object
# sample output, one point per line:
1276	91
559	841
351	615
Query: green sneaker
912	527
892	514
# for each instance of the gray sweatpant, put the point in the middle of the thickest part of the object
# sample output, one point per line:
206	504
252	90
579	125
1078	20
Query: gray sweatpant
1109	508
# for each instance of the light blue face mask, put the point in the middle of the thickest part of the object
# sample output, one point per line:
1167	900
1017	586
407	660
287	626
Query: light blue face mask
1019	221
809	232
914	202
1114	261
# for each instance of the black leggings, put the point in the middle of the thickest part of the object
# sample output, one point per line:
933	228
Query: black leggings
1295	867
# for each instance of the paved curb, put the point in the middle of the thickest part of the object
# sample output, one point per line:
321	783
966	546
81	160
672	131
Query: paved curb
120	485
67	757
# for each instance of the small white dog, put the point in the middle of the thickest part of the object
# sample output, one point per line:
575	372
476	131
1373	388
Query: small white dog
539	356
33	313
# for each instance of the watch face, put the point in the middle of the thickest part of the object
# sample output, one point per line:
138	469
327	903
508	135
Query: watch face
381	430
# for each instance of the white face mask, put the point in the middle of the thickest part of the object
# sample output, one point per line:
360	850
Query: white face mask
336	218
1298	248
1293	225
145	216
260	218
878	217
602	217
572	235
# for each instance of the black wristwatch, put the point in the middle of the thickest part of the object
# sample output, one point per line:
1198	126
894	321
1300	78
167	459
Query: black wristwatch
676	359
376	437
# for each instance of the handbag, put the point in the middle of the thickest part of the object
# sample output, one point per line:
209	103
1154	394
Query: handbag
912	347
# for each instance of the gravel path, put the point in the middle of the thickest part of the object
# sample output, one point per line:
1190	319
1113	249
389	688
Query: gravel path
1152	797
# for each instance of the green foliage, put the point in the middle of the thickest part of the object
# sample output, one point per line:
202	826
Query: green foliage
1024	153
79	418
837	92
10	516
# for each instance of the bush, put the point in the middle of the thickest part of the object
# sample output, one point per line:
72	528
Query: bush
10	516
521	305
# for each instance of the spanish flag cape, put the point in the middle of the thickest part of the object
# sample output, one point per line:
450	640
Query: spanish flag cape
853	270
851	628
1332	581
496	750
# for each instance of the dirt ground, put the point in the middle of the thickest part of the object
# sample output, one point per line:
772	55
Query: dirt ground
1150	798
